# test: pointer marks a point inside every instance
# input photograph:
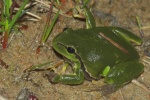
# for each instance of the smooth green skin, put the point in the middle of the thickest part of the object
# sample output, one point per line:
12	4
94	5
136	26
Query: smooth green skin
94	54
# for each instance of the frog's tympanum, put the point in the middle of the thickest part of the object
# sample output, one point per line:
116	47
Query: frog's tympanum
99	52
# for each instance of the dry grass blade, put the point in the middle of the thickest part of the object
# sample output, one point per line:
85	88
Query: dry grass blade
143	27
141	85
31	14
2	98
55	10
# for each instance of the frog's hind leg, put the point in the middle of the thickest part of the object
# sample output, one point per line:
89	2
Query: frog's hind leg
127	35
123	73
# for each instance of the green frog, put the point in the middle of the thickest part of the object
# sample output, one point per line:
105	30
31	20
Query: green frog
98	52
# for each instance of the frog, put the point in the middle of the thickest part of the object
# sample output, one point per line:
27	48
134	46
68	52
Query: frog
103	52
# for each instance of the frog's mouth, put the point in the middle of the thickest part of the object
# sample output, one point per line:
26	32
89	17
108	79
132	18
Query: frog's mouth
86	74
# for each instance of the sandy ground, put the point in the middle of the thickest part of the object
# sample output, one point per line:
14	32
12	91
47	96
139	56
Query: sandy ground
21	54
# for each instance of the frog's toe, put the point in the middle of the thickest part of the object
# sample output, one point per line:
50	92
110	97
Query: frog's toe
107	89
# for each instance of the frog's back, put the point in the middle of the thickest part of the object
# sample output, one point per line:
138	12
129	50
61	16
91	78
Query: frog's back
100	47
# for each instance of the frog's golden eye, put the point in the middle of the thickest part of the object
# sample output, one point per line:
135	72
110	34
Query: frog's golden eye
70	50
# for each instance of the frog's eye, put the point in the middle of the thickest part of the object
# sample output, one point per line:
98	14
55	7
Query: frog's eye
70	50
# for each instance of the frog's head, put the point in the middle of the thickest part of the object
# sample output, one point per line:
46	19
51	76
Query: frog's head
62	43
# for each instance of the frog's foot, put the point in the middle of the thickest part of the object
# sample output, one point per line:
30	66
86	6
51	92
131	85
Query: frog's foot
50	76
124	73
67	79
104	89
107	89
76	78
83	12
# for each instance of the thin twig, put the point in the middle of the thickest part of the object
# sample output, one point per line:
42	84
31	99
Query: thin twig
31	14
140	85
2	98
143	27
55	10
30	4
139	25
122	98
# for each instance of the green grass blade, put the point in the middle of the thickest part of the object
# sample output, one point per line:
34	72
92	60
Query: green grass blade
6	24
2	23
139	25
85	3
1	31
2	14
58	2
40	65
45	36
7	4
18	14
23	12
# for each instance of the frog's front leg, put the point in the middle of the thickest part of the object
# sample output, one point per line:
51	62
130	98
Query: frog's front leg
90	21
76	78
123	73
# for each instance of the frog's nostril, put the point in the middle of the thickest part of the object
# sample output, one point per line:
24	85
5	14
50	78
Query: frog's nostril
70	50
